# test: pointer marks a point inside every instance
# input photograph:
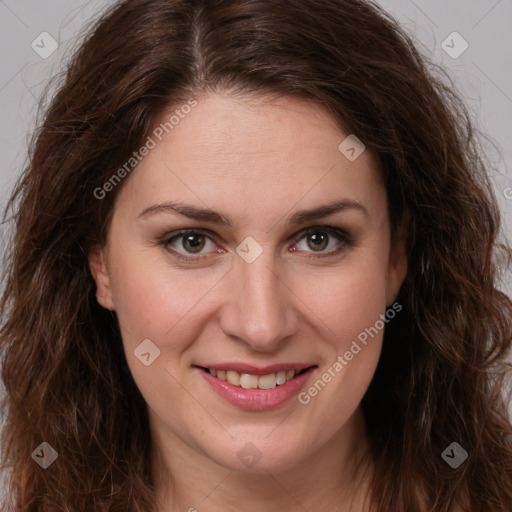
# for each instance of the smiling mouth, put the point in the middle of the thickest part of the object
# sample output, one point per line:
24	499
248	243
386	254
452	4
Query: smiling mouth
248	381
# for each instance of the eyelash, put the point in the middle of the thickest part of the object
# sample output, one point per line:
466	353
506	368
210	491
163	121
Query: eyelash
344	239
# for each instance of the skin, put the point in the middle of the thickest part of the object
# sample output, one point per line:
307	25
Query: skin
257	160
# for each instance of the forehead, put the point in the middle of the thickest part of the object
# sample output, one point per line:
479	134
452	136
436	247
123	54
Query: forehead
252	153
253	128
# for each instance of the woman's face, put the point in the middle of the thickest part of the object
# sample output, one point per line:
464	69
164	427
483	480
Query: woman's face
261	285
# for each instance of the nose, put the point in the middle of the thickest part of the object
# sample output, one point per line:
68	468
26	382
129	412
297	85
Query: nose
260	306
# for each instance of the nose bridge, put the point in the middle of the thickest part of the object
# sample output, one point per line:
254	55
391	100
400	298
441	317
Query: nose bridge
260	309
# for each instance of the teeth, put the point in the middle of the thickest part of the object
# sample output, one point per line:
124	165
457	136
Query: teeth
247	381
233	378
281	377
267	381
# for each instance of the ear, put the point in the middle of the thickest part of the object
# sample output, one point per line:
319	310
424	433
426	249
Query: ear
99	271
397	266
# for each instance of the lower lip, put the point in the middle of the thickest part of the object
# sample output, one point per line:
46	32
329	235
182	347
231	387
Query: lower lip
257	399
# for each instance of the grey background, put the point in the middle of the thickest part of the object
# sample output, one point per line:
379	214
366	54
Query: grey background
482	74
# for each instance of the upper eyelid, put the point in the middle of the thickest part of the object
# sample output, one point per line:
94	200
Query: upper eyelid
182	232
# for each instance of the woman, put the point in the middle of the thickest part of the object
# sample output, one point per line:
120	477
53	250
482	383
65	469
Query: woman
254	268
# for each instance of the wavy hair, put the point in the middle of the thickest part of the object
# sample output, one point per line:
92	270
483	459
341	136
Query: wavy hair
442	367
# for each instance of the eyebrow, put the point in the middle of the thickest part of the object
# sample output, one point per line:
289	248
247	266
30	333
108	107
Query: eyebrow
209	215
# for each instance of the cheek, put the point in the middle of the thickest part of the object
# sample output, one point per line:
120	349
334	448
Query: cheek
348	305
157	304
154	301
346	300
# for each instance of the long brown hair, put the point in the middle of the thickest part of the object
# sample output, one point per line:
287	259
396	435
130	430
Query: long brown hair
442	367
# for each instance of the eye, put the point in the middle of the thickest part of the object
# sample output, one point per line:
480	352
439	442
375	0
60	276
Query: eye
195	244
189	242
325	240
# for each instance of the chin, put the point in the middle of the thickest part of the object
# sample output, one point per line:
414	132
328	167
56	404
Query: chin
256	453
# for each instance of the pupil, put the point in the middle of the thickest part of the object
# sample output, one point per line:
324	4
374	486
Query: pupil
319	241
194	243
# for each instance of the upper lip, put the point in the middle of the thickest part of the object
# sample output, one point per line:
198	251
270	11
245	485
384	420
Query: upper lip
257	370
